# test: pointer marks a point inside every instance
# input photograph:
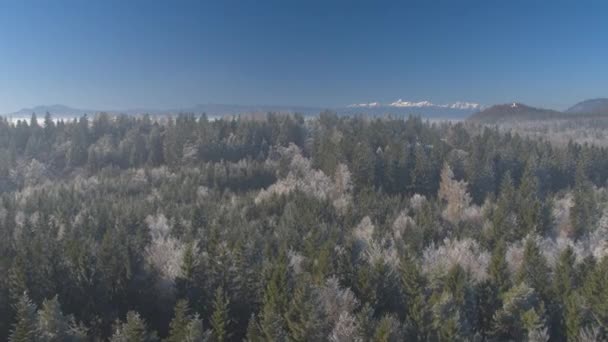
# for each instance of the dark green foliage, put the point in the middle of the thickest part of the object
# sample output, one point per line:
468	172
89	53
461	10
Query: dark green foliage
220	319
534	270
118	227
24	329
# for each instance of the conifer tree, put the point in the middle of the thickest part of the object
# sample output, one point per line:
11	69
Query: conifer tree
180	321
498	270
583	212
304	317
24	329
509	321
565	277
52	324
220	319
275	303
254	334
413	287
534	269
134	329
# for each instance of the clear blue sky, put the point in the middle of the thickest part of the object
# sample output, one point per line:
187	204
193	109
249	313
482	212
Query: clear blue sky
122	54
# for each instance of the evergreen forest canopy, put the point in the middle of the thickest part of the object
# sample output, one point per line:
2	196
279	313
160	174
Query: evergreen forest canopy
284	229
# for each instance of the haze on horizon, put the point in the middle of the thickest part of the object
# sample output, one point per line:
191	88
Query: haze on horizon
152	54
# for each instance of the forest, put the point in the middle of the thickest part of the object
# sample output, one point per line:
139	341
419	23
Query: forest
292	228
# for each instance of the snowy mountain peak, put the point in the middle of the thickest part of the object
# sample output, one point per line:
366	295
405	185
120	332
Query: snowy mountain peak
460	105
465	105
401	103
364	105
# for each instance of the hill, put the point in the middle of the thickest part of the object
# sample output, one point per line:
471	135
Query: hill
593	106
513	112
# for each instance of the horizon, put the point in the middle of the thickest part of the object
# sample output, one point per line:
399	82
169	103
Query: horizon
116	55
42	109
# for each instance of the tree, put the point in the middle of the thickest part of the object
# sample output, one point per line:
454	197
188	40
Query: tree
498	269
53	325
531	212
133	330
514	319
534	269
454	193
583	212
413	284
179	323
194	331
388	330
184	326
24	329
305	319
275	304
565	276
448	319
345	329
77	154
220	319
254	333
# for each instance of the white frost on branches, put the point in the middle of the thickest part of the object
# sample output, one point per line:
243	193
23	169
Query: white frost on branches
402	223
302	177
164	254
417	201
336	300
455	194
371	249
467	253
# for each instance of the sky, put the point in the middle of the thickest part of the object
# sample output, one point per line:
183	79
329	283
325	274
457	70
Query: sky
124	54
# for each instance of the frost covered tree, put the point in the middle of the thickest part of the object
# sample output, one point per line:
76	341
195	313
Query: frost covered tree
53	325
454	193
24	329
132	330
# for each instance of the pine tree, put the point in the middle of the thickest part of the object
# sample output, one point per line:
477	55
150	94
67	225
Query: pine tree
502	217
220	319
305	320
186	281
274	307
583	212
24	329
366	323
498	269
534	270
595	292
133	330
254	334
564	279
509	320
533	323
388	330
180	321
454	193
52	324
194	330
574	316
530	208
413	287
447	319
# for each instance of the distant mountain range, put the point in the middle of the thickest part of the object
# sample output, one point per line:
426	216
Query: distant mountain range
458	110
427	109
588	109
211	109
